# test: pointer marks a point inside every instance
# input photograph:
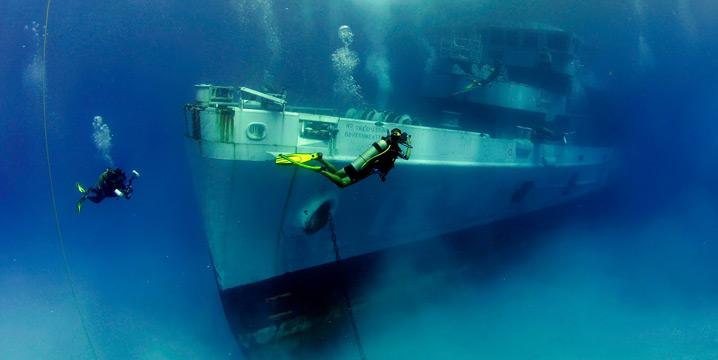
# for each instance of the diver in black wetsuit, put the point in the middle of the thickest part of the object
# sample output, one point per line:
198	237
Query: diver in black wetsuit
494	72
110	184
377	159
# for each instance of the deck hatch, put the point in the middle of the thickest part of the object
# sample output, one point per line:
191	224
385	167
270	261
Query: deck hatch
226	125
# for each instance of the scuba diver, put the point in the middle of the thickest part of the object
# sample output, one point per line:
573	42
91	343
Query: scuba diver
110	184
489	74
377	159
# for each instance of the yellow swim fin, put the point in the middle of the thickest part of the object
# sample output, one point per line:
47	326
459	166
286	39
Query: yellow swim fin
291	159
80	188
78	205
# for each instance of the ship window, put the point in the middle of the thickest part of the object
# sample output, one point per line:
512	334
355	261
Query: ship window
558	41
530	40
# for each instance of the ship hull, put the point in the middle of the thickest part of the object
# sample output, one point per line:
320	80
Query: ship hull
262	220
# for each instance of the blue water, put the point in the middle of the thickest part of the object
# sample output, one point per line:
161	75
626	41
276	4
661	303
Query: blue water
626	274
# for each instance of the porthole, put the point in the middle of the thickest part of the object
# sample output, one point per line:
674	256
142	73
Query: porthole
256	131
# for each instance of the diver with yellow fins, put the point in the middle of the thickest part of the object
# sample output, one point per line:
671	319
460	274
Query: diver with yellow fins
110	184
377	159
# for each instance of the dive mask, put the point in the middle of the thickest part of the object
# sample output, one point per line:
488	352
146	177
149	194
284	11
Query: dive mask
405	145
403	140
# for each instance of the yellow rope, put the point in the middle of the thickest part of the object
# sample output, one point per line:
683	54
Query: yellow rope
58	229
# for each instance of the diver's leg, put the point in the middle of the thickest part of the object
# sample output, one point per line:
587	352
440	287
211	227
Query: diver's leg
95	199
338	177
78	204
91	194
329	167
341	181
94	196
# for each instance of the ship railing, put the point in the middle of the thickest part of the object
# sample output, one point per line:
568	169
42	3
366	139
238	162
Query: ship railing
271	98
312	110
545	135
213	95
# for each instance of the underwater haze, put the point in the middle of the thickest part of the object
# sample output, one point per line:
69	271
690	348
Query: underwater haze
627	273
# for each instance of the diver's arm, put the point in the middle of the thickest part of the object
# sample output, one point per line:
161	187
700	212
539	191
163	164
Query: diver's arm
135	174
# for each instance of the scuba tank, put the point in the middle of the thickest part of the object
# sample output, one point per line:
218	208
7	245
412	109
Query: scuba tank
369	154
